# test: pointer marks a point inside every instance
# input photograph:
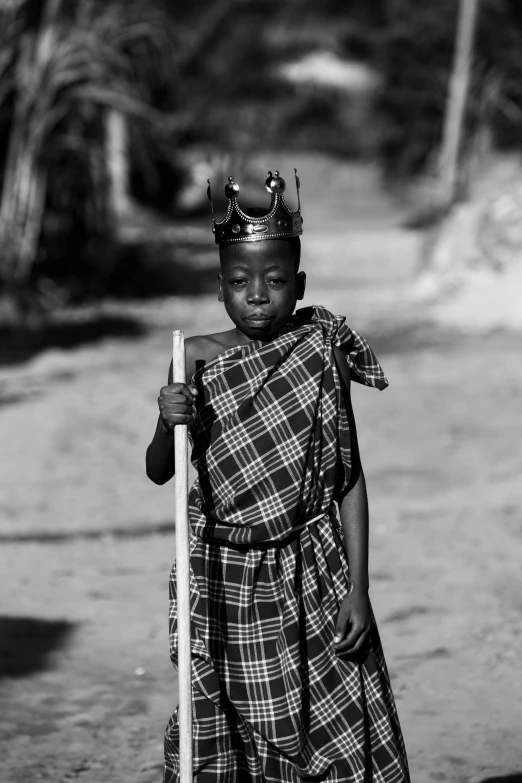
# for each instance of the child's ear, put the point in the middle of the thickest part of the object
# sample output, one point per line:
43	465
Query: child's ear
221	298
301	284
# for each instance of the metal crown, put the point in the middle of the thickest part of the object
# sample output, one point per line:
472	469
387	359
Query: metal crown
279	220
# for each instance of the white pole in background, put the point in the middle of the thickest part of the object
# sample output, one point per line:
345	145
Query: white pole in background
182	573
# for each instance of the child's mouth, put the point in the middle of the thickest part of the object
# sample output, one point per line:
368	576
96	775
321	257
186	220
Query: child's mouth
258	319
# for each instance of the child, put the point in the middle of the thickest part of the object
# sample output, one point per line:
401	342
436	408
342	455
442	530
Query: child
289	678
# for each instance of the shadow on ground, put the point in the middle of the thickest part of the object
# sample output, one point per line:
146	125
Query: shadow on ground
515	778
27	642
144	270
132	272
63	537
20	345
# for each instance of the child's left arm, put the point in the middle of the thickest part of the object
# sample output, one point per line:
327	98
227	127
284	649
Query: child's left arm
354	618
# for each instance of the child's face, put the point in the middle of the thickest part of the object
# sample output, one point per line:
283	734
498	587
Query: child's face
259	285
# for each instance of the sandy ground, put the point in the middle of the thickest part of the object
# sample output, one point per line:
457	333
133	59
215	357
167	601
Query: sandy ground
87	542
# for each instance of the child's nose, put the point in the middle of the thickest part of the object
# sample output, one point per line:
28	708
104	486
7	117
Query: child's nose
258	294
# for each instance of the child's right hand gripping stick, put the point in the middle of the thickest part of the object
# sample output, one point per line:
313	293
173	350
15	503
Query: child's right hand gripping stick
176	404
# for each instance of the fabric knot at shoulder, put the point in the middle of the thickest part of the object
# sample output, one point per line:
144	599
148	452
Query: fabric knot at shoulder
360	357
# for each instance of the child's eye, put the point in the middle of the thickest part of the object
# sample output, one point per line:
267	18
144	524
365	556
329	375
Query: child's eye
277	280
237	281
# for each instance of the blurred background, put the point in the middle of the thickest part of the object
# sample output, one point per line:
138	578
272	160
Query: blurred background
404	120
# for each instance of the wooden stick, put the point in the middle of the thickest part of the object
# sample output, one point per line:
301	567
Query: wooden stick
182	573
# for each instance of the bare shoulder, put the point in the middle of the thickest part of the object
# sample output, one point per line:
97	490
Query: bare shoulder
203	348
200	348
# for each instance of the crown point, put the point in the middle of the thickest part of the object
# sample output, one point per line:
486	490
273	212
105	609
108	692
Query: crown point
231	188
275	183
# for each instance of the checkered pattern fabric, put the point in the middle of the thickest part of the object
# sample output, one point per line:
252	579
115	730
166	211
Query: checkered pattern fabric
272	702
271	437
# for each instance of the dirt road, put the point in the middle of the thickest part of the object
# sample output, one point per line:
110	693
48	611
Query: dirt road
87	542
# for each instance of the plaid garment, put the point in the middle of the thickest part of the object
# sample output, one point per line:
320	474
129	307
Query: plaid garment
272	702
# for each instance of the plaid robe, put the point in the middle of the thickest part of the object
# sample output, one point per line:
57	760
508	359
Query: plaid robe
272	702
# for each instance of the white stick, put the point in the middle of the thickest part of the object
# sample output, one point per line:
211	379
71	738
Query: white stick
182	573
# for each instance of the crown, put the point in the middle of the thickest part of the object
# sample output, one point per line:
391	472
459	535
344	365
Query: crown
278	221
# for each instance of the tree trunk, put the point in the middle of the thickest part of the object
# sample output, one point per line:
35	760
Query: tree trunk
456	104
117	161
23	194
32	220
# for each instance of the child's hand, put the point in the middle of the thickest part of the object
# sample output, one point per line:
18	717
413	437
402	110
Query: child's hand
353	622
176	404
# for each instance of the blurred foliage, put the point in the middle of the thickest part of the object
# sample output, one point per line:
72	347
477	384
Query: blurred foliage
249	106
412	48
65	69
198	78
409	43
